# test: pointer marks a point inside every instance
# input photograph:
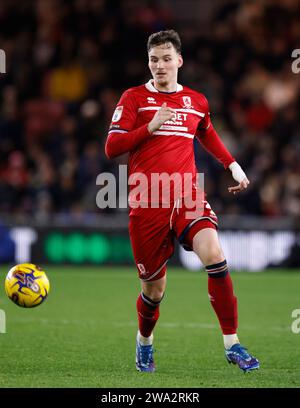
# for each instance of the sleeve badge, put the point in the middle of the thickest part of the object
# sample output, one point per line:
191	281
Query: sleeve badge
117	114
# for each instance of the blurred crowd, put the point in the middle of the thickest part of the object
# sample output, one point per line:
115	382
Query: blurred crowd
69	61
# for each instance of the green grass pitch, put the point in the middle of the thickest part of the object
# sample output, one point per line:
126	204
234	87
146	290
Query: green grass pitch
84	334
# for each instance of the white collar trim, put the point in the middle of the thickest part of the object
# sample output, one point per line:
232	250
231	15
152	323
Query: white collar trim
150	86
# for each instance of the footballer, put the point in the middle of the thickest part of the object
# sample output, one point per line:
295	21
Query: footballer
156	123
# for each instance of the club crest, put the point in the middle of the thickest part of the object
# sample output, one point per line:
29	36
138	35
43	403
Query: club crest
142	269
187	102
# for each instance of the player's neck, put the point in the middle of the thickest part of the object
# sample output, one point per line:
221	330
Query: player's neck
169	87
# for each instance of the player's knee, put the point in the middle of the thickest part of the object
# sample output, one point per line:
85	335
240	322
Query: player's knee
155	295
152	299
155	290
158	297
212	255
214	258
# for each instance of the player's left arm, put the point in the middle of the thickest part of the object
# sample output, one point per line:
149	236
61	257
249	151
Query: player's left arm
212	142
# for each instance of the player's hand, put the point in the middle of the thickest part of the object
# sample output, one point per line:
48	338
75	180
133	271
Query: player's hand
239	175
240	187
161	116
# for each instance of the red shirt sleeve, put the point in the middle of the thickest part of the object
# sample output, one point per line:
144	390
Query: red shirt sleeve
210	139
122	137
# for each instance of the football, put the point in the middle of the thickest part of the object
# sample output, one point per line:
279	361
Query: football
27	285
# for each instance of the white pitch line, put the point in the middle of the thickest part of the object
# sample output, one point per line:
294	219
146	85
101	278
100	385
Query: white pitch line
172	325
167	325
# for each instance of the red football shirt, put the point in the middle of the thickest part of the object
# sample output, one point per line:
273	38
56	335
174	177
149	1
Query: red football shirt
169	149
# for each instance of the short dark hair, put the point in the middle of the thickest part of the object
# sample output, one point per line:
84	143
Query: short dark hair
162	37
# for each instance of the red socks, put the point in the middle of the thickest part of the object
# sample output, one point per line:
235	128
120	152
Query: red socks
221	296
148	314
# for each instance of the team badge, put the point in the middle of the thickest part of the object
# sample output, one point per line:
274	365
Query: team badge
142	269
187	102
117	114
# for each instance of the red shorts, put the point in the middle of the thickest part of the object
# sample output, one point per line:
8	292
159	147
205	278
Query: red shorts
152	232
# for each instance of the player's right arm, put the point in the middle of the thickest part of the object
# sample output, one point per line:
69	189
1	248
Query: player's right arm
122	138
